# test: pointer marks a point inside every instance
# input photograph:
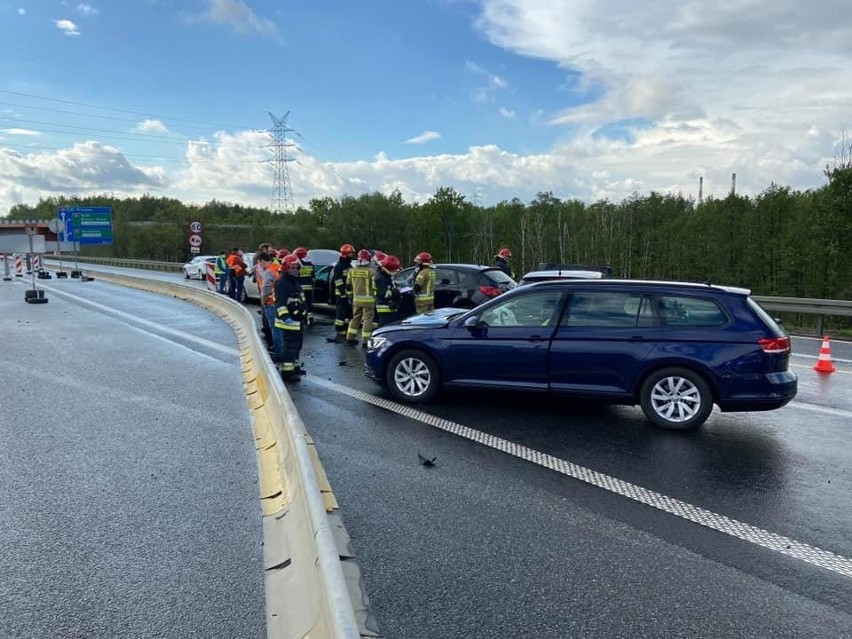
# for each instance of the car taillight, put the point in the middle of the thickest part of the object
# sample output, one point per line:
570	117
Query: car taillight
774	344
490	291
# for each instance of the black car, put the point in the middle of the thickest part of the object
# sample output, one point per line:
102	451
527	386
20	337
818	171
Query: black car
457	285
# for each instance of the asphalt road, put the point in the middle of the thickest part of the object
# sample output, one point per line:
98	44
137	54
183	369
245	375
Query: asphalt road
498	539
558	519
129	503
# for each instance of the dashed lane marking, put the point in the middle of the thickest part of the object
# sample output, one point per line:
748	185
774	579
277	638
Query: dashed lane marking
752	534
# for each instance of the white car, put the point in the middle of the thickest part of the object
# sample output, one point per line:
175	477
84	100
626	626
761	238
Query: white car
196	268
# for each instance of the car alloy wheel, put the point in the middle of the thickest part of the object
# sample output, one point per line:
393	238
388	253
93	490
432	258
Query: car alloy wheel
676	398
412	376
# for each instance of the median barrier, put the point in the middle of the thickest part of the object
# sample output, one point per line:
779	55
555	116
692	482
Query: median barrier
306	582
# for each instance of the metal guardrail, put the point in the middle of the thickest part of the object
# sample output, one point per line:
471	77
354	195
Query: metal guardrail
151	265
807	306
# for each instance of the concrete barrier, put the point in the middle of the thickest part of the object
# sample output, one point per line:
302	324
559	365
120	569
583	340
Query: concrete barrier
306	590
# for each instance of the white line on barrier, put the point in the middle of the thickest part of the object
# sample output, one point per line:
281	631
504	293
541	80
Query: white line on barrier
784	545
135	319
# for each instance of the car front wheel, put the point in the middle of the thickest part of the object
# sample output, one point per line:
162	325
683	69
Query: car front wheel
676	399
412	376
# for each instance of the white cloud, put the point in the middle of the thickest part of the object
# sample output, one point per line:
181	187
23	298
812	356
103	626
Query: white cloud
492	80
86	9
506	113
86	167
239	16
25	132
68	27
423	138
151	126
739	88
22	11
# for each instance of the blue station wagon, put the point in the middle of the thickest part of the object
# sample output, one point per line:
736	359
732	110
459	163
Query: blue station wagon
673	348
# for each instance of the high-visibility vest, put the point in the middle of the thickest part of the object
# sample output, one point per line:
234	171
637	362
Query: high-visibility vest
220	265
359	281
426	279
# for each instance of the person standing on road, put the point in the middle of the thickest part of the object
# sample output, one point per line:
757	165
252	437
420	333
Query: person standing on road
268	278
238	273
359	281
424	283
289	313
221	271
306	280
387	293
343	306
501	261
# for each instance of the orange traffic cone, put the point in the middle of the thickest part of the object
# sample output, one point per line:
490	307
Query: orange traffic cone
824	363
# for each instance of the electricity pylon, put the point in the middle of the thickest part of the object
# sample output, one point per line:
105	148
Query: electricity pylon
282	192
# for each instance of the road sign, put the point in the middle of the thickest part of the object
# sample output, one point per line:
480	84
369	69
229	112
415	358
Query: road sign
55	225
195	240
196	227
195	250
87	224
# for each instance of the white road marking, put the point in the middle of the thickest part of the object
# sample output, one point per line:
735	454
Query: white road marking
135	319
837	412
784	545
815	357
811	368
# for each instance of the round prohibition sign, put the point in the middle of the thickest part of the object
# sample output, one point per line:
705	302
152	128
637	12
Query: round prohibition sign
195	240
196	227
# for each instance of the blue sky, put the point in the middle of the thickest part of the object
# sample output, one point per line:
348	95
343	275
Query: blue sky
499	98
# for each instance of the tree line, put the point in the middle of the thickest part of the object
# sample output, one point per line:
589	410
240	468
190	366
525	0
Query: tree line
780	242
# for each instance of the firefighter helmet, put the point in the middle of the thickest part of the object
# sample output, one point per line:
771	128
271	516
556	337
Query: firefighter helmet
347	250
423	258
391	263
301	252
364	256
282	253
505	253
289	262
379	257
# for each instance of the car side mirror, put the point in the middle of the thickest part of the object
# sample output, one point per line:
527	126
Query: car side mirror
472	322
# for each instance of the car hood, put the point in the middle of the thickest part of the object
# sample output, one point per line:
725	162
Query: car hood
438	317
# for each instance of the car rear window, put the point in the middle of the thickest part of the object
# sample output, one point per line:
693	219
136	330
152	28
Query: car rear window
681	310
771	324
498	277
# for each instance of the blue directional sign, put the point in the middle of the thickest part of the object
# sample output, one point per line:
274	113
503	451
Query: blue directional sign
87	224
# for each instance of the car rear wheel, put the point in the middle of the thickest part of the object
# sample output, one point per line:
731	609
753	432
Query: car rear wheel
676	399
412	376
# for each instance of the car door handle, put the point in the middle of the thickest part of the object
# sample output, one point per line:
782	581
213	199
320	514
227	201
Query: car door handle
536	338
637	338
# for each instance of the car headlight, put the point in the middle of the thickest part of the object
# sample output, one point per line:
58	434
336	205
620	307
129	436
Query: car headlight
376	342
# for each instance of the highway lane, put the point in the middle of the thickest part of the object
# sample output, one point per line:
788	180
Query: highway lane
485	544
129	503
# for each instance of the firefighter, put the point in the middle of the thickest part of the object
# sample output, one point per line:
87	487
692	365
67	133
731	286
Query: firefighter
378	258
289	313
501	261
343	305
359	283
387	293
424	283
306	281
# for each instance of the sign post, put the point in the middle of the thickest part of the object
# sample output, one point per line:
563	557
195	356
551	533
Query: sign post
34	296
57	226
86	225
196	228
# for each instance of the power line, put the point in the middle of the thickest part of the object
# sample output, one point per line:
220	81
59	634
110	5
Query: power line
114	110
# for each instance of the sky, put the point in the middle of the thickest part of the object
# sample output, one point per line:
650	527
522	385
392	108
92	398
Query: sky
587	99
